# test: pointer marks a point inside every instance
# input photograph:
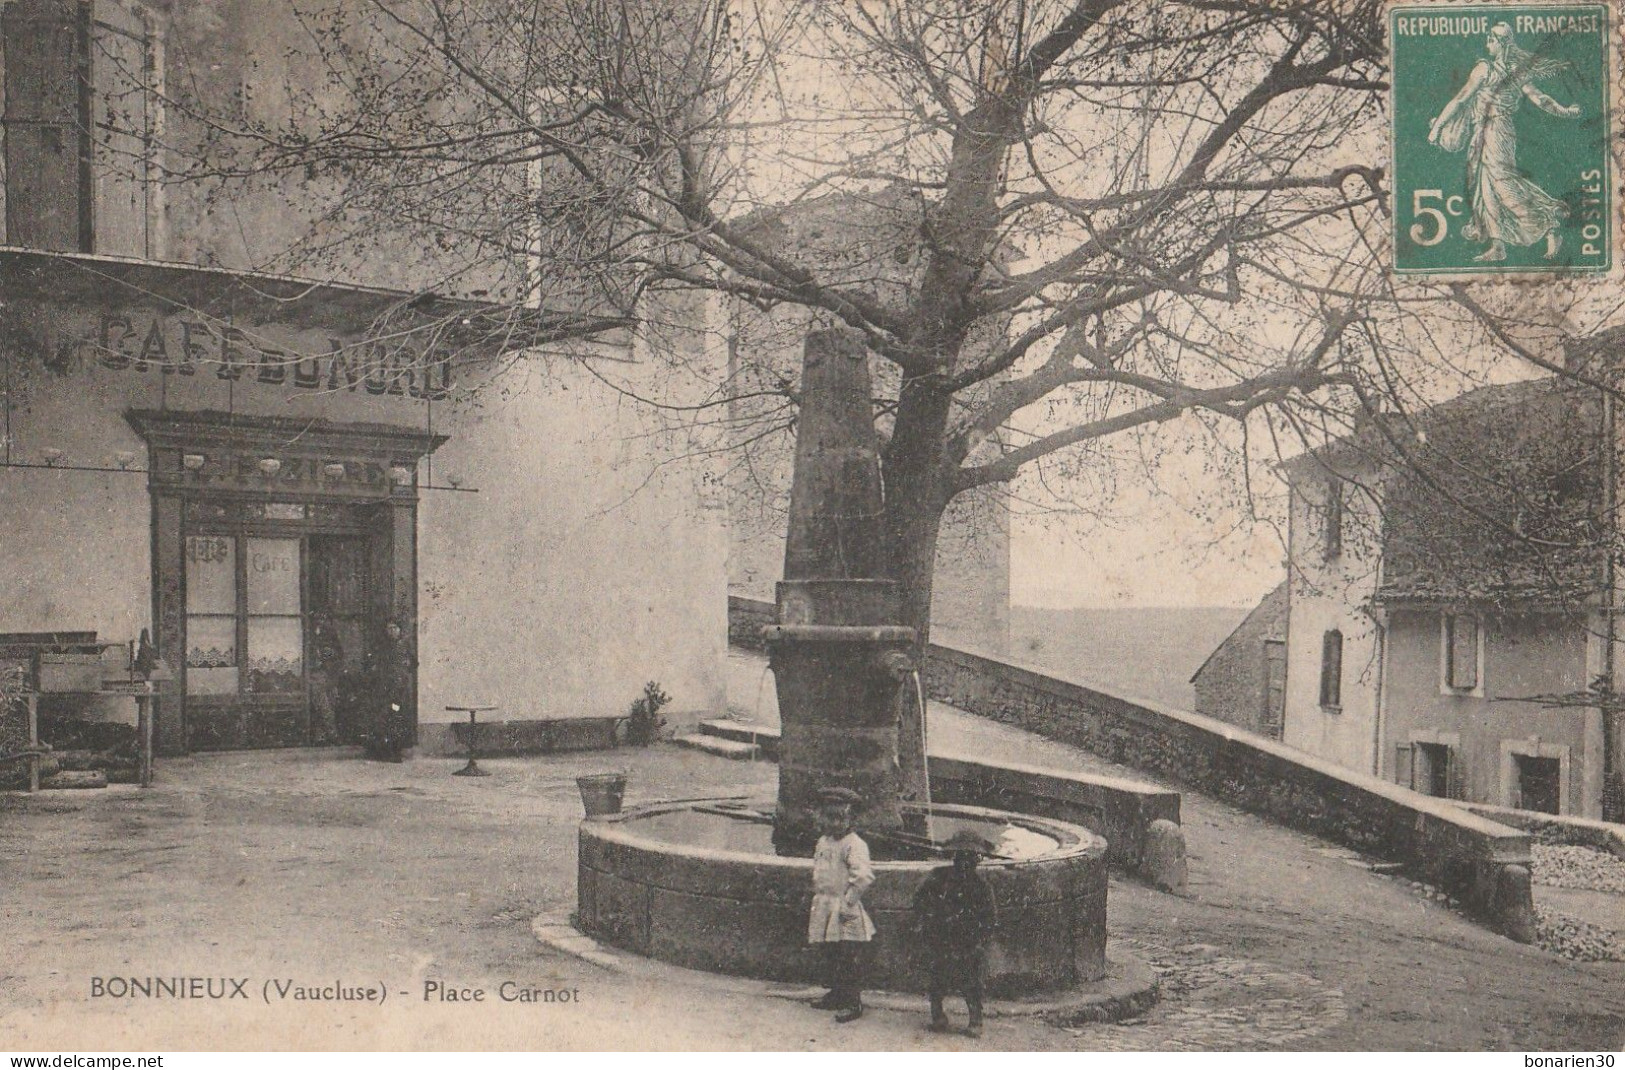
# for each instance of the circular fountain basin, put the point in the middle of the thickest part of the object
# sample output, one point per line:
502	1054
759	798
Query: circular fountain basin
698	884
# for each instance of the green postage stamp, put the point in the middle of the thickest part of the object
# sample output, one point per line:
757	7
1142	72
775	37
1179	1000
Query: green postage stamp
1501	128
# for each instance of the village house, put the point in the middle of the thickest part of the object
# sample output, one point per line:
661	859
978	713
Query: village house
337	505
1445	616
1243	680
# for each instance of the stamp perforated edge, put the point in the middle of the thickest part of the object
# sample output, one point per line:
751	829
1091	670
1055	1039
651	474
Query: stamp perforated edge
1614	58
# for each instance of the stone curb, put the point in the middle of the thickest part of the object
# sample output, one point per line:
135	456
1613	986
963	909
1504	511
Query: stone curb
1129	988
556	932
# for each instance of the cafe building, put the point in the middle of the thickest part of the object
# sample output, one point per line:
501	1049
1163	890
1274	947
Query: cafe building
336	507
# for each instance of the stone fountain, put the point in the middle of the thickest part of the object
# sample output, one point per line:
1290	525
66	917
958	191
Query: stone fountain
724	885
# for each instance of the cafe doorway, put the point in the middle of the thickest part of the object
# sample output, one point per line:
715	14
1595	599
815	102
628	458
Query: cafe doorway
284	580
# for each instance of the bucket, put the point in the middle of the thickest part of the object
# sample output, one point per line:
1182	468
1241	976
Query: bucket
601	793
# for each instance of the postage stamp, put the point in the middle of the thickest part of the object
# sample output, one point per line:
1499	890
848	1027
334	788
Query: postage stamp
1501	126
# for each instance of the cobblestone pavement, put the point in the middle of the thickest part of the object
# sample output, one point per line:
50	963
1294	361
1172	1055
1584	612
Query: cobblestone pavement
1214	1002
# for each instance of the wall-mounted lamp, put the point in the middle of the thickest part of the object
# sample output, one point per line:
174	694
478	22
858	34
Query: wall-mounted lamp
400	475
270	466
334	470
51	454
192	462
124	458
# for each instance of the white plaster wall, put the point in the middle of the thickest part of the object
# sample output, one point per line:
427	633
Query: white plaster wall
1325	595
577	573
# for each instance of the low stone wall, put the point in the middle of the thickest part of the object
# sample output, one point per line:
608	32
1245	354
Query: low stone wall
1120	811
1558	828
501	739
1481	862
746	619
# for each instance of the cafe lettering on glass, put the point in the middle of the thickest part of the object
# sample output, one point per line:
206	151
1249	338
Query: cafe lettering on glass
262	562
182	347
207	549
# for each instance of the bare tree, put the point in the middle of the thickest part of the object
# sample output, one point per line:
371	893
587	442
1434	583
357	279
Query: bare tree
1098	216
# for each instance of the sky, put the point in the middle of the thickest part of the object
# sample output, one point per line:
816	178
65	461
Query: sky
1164	558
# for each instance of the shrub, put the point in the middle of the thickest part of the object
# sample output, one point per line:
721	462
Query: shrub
644	721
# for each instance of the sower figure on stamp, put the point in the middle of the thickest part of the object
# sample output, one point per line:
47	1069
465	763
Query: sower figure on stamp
957	915
1507	206
837	922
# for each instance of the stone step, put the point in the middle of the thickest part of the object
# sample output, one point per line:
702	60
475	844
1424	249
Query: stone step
725	748
740	731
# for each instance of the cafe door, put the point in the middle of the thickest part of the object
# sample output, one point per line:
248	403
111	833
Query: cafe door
340	639
284	579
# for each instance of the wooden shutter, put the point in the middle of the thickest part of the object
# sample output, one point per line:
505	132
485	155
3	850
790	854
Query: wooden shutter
1331	669
46	166
1461	652
120	129
1334	518
1404	765
1455	773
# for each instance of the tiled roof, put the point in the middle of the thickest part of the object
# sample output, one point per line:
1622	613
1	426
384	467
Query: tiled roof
1498	498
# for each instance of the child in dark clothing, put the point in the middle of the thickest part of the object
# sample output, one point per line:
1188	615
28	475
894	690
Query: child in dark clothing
957	916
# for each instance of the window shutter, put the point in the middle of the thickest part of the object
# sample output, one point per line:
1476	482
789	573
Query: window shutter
1455	774
1334	518
120	128
44	43
1331	669
1404	766
1462	654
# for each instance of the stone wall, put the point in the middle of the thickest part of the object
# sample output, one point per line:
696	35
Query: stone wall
1559	829
1120	811
1483	863
746	619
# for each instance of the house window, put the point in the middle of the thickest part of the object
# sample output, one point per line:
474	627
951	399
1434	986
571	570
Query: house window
1334	519
1331	670
1431	763
80	120
1460	640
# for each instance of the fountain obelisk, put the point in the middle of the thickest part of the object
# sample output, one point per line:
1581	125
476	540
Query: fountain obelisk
839	655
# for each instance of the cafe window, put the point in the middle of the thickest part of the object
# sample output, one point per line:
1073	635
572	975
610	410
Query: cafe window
81	118
244	615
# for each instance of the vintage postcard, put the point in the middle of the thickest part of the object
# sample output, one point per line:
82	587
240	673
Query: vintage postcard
925	526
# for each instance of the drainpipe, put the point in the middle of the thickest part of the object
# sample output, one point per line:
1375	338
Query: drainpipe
1380	616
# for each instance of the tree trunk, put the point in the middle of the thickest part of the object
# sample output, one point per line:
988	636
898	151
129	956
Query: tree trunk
916	482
